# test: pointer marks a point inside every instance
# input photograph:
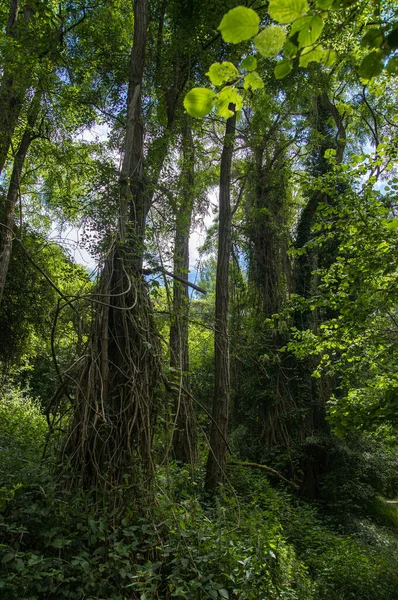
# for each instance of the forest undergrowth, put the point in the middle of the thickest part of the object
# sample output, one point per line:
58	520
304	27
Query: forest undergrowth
210	412
254	541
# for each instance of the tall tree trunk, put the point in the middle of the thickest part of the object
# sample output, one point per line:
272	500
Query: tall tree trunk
13	86
268	286
8	210
110	439
219	426
305	262
185	432
311	394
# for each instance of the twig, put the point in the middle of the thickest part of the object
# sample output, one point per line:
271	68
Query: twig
265	468
177	277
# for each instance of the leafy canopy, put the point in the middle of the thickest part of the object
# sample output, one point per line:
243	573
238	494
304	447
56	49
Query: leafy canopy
297	34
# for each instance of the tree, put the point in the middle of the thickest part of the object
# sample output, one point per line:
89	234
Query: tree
216	461
185	433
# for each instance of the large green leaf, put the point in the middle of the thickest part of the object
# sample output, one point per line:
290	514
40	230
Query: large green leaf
239	24
311	32
300	24
373	39
227	96
269	42
283	68
199	102
286	11
249	63
253	81
371	65
310	54
220	73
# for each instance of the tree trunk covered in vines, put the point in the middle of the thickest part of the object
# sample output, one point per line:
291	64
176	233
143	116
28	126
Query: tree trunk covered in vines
269	281
304	279
216	461
110	440
312	393
185	432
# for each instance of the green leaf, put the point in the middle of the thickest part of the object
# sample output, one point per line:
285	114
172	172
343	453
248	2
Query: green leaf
290	49
371	66
220	73
286	11
391	225
199	102
372	39
239	24
227	96
249	63
253	81
311	32
392	65
283	68
329	57
7	557
224	593
269	42
330	153
299	24
324	4
311	54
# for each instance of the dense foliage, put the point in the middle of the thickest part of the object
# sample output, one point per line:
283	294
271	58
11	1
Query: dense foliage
211	411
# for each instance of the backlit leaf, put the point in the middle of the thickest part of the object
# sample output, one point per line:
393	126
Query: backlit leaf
309	34
283	68
227	96
239	24
249	63
310	54
300	24
253	81
269	42
286	11
199	102
220	73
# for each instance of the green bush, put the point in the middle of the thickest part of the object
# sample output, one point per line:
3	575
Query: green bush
56	546
345	567
257	543
23	430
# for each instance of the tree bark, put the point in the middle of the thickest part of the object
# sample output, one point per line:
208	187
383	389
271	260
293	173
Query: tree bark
110	439
185	432
14	83
7	220
216	462
311	393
